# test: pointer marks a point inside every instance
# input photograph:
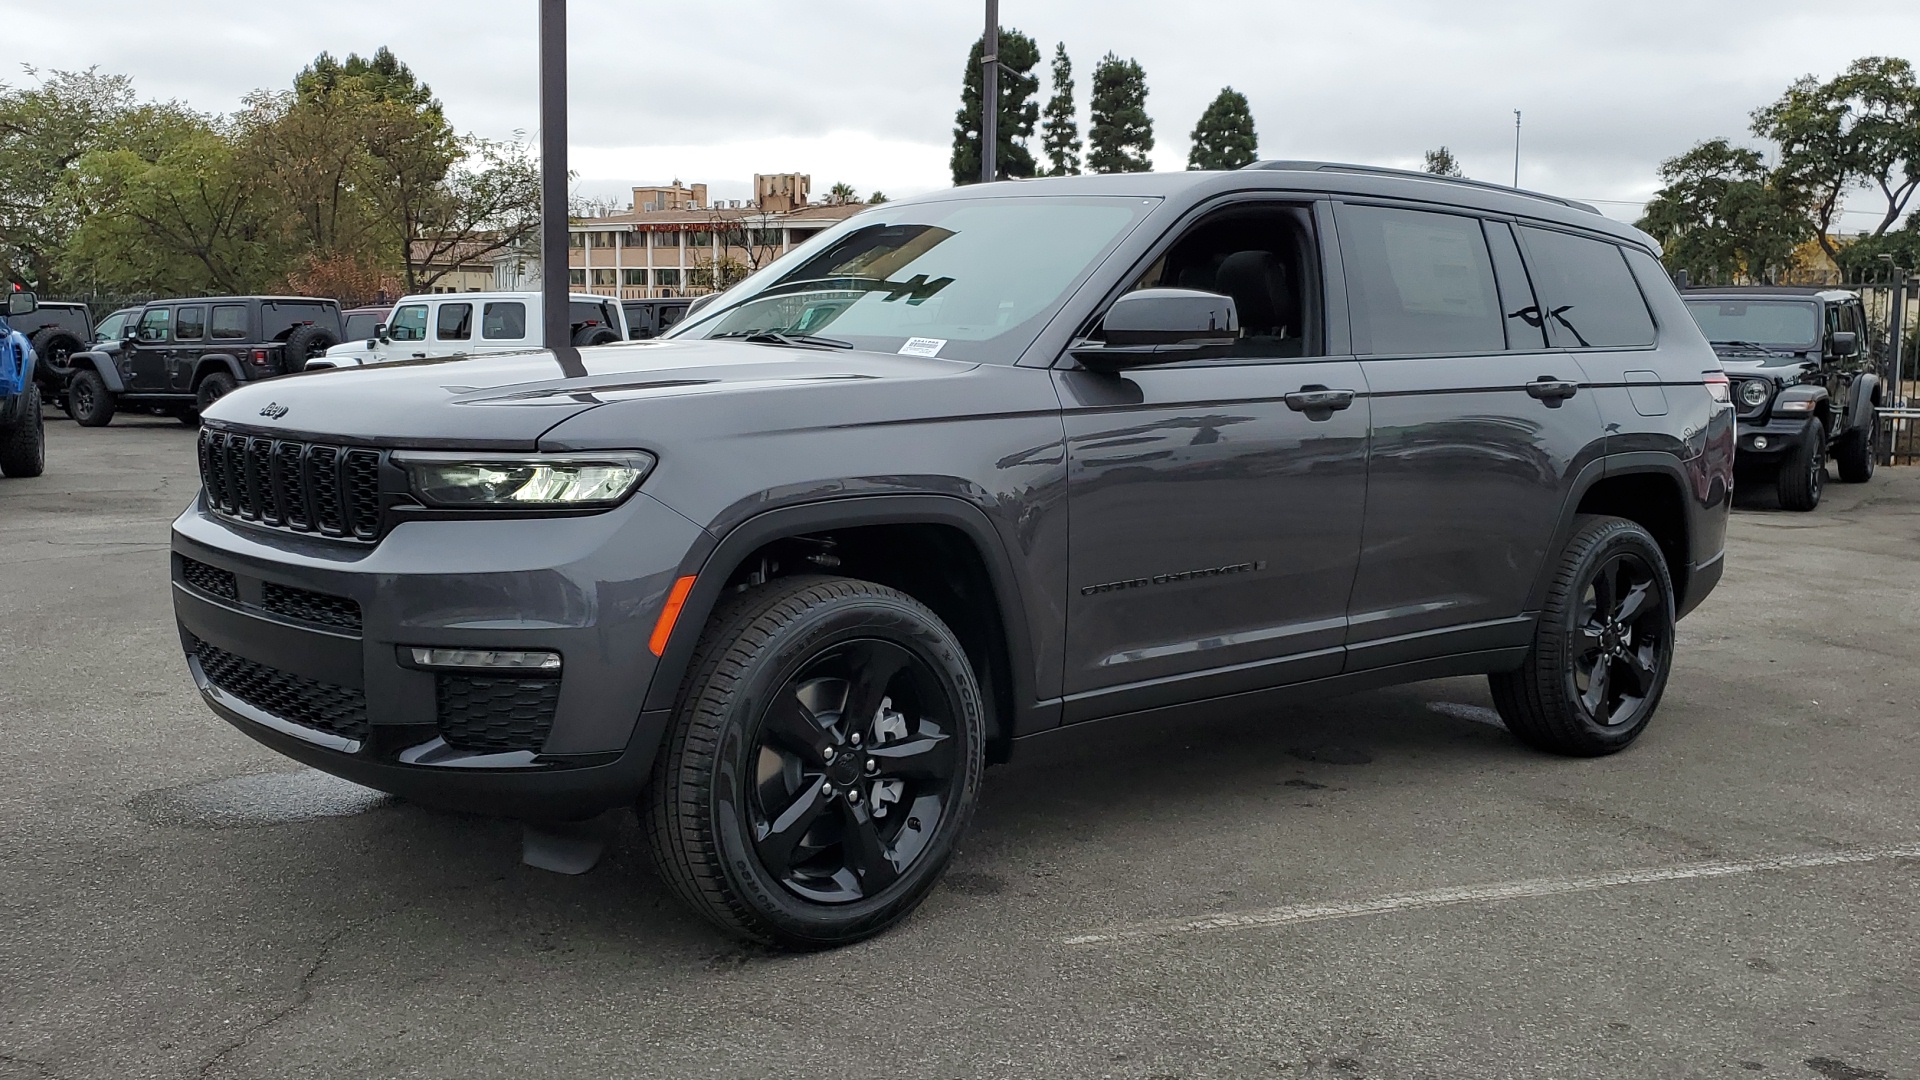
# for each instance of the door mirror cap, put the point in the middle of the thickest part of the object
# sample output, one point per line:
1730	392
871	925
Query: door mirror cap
1161	326
21	302
1846	342
379	334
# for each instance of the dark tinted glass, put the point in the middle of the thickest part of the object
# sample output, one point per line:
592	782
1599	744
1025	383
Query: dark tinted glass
504	320
229	321
361	326
1589	294
455	322
1419	282
1524	327
190	324
279	317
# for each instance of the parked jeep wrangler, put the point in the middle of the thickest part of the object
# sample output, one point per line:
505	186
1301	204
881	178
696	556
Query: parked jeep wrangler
180	356
964	470
1805	386
23	435
57	331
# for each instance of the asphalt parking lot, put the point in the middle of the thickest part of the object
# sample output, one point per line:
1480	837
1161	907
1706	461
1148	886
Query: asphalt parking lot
1383	886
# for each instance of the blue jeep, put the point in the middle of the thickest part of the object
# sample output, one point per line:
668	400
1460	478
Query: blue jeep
23	437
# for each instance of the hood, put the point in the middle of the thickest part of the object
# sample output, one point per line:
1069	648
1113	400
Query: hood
506	401
1781	367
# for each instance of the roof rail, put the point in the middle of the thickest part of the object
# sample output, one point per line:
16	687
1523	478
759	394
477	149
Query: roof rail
1410	174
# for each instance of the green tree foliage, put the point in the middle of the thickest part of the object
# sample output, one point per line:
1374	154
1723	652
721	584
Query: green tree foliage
1441	162
1224	137
1120	134
1721	217
1059	131
1862	126
1015	117
876	198
841	194
44	130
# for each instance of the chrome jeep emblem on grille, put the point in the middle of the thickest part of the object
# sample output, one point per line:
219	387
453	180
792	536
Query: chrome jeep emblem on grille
274	410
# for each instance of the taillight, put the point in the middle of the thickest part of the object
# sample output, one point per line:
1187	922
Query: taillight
260	359
1717	387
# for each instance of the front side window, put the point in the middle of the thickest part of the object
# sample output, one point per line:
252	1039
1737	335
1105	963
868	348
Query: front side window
409	323
504	320
229	322
155	324
454	322
190	323
964	278
1265	257
1588	293
1419	282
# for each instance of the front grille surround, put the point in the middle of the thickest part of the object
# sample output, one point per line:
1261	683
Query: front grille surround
336	710
314	488
495	715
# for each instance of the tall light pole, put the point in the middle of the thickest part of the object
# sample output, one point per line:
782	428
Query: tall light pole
1516	148
555	324
990	93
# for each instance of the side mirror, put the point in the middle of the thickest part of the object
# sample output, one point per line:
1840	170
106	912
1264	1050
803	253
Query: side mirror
1846	342
379	335
21	302
1157	326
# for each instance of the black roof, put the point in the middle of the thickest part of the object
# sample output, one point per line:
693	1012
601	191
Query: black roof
241	299
1810	292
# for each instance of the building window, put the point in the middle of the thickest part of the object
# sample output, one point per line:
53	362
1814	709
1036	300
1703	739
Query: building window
575	239
576	277
603	278
796	237
769	238
699	239
667	279
636	278
601	239
666	239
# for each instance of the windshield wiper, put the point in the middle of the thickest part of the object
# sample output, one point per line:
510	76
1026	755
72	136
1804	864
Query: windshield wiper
776	337
1751	346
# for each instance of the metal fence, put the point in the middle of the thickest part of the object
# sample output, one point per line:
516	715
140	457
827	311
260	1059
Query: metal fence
1893	335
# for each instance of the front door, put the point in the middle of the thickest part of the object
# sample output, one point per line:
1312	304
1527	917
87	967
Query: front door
1215	505
149	357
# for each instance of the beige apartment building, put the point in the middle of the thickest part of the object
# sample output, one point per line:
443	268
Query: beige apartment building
677	242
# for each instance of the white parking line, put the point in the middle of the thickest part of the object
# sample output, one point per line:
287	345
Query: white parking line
1290	914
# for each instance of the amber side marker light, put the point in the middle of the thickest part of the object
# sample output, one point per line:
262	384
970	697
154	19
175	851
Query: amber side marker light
662	630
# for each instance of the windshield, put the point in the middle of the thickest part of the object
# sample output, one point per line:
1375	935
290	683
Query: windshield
1781	324
967	279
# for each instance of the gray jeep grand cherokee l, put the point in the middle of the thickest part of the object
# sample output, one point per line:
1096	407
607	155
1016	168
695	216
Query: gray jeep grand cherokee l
962	470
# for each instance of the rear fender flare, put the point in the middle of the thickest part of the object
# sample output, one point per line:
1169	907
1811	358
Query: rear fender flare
217	362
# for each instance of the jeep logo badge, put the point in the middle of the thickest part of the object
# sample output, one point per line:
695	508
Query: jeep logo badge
274	410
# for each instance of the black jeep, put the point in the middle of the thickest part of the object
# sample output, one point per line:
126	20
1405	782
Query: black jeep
57	331
1804	383
180	356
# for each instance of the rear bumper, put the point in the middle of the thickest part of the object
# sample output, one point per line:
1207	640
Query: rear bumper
266	623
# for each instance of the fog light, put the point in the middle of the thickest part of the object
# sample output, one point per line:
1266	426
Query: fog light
487	659
1759	443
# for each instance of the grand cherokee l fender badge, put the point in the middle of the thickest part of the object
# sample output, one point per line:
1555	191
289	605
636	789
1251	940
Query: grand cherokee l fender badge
1169	579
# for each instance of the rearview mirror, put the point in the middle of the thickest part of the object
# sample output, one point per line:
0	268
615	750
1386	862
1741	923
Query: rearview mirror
21	302
1157	326
1846	342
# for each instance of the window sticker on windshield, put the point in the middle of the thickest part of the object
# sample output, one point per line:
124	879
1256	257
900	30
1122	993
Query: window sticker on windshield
923	346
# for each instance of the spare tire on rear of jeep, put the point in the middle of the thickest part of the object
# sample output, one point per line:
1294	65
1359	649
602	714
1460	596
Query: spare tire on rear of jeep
307	342
595	335
53	346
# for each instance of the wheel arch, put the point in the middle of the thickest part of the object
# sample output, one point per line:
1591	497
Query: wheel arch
216	362
883	539
1648	489
100	364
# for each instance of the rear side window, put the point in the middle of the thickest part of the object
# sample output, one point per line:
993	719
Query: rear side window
190	324
229	322
409	323
504	320
1588	293
455	322
155	324
1525	328
1419	282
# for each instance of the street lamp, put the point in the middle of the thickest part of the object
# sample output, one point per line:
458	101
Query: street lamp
990	93
556	325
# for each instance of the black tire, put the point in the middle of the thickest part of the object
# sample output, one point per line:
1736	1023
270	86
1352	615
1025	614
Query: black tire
594	335
1584	640
1856	455
734	765
23	447
88	400
189	417
215	386
305	343
55	346
1803	474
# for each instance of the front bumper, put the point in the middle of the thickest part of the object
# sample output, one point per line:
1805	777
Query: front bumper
302	643
1783	435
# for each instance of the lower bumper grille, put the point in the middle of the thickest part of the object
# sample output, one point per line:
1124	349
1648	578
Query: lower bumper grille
490	714
336	710
209	579
312	607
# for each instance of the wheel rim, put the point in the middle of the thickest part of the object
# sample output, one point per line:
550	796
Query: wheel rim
211	392
1817	471
80	396
1621	637
853	766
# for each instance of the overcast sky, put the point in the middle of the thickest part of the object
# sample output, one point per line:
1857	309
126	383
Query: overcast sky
864	91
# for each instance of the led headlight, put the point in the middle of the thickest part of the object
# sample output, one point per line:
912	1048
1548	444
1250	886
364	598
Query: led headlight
524	481
1753	393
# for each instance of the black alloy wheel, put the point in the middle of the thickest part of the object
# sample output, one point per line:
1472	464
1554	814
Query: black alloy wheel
1602	647
88	399
1858	455
1803	475
854	768
212	389
821	763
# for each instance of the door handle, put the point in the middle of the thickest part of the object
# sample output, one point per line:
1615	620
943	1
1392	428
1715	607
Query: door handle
1551	390
1318	399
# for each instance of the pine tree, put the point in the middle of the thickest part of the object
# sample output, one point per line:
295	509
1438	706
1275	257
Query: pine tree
1224	138
1121	133
1059	133
1017	113
1441	162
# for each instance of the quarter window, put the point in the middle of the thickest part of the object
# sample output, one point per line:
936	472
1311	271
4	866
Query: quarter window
229	322
1588	292
1525	328
504	320
154	324
454	322
191	325
409	323
1420	282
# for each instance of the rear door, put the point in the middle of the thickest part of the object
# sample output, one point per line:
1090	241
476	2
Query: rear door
453	328
189	338
1478	430
505	325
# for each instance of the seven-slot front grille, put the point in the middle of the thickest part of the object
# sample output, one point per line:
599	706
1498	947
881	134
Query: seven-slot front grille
209	579
493	714
336	710
312	607
303	487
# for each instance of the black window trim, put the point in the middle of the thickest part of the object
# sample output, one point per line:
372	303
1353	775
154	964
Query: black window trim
204	322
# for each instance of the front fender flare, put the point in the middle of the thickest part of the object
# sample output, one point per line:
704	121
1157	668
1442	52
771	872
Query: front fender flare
100	364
